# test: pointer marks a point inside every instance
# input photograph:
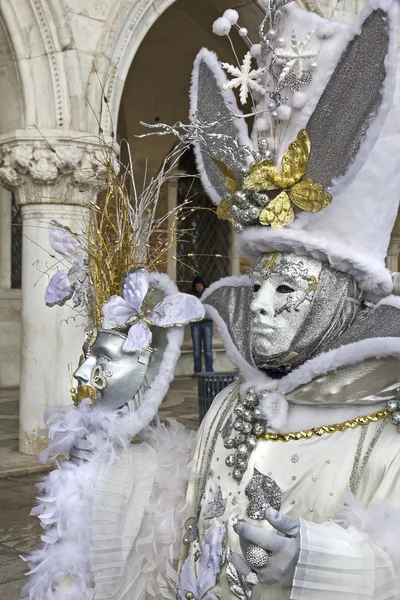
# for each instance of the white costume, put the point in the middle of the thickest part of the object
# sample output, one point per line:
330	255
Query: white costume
292	487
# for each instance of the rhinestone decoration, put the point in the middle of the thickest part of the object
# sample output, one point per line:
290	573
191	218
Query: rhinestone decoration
262	492
394	407
256	556
217	506
249	422
192	532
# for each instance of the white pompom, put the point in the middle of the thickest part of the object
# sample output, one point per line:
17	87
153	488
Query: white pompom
261	124
231	15
255	50
283	112
326	30
243	32
299	101
221	26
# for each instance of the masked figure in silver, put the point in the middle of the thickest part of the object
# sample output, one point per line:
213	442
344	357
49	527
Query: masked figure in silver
108	374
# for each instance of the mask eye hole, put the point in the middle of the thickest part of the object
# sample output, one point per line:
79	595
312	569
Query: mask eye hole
284	289
256	287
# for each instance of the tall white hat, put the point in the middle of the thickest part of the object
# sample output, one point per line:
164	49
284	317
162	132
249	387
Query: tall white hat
337	195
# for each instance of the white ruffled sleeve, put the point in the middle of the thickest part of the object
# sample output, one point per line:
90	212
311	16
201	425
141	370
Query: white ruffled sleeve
343	564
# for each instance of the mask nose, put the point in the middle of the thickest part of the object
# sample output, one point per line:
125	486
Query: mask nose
82	373
262	303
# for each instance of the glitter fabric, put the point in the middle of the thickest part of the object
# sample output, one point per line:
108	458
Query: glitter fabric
223	143
383	321
330	312
232	304
217	506
262	492
345	129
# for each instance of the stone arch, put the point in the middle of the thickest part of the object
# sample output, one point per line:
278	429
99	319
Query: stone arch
127	28
115	54
12	113
42	51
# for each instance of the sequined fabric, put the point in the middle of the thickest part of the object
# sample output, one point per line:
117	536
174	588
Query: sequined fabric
345	129
223	143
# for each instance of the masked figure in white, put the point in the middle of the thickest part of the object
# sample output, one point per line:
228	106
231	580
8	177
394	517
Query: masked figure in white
296	467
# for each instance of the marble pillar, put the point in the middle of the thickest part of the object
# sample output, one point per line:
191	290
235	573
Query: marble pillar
51	338
52	179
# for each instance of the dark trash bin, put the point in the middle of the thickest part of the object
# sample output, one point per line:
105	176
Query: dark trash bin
209	385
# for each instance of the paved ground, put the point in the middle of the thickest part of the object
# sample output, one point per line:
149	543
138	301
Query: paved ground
19	533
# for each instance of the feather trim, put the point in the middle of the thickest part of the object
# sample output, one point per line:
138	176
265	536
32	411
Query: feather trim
380	520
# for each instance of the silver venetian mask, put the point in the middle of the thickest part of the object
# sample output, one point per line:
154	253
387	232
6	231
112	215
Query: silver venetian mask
298	305
283	288
108	375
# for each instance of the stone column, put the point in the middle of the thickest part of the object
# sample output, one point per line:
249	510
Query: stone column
52	179
392	258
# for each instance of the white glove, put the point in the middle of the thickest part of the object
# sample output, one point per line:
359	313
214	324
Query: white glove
283	551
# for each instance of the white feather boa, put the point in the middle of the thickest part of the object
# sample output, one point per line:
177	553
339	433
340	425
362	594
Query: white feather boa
60	569
380	520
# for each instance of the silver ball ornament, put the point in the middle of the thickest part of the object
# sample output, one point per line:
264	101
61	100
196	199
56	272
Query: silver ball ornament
242	451
229	444
237	475
230	460
258	428
251	442
239	409
240	438
396	418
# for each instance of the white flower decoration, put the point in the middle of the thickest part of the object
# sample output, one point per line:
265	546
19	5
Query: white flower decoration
72	282
244	78
174	310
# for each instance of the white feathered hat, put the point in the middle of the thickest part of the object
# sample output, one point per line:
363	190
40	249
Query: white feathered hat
323	90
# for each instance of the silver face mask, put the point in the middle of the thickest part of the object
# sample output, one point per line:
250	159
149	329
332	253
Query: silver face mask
299	306
108	375
283	288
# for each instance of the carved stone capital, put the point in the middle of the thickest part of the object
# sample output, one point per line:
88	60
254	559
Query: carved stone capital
52	170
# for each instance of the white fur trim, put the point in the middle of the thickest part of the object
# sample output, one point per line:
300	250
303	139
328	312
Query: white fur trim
274	407
231	281
369	272
211	60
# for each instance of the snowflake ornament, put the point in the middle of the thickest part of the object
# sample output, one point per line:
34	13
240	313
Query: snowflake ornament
244	77
295	56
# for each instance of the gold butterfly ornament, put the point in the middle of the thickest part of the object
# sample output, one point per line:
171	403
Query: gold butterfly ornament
264	176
